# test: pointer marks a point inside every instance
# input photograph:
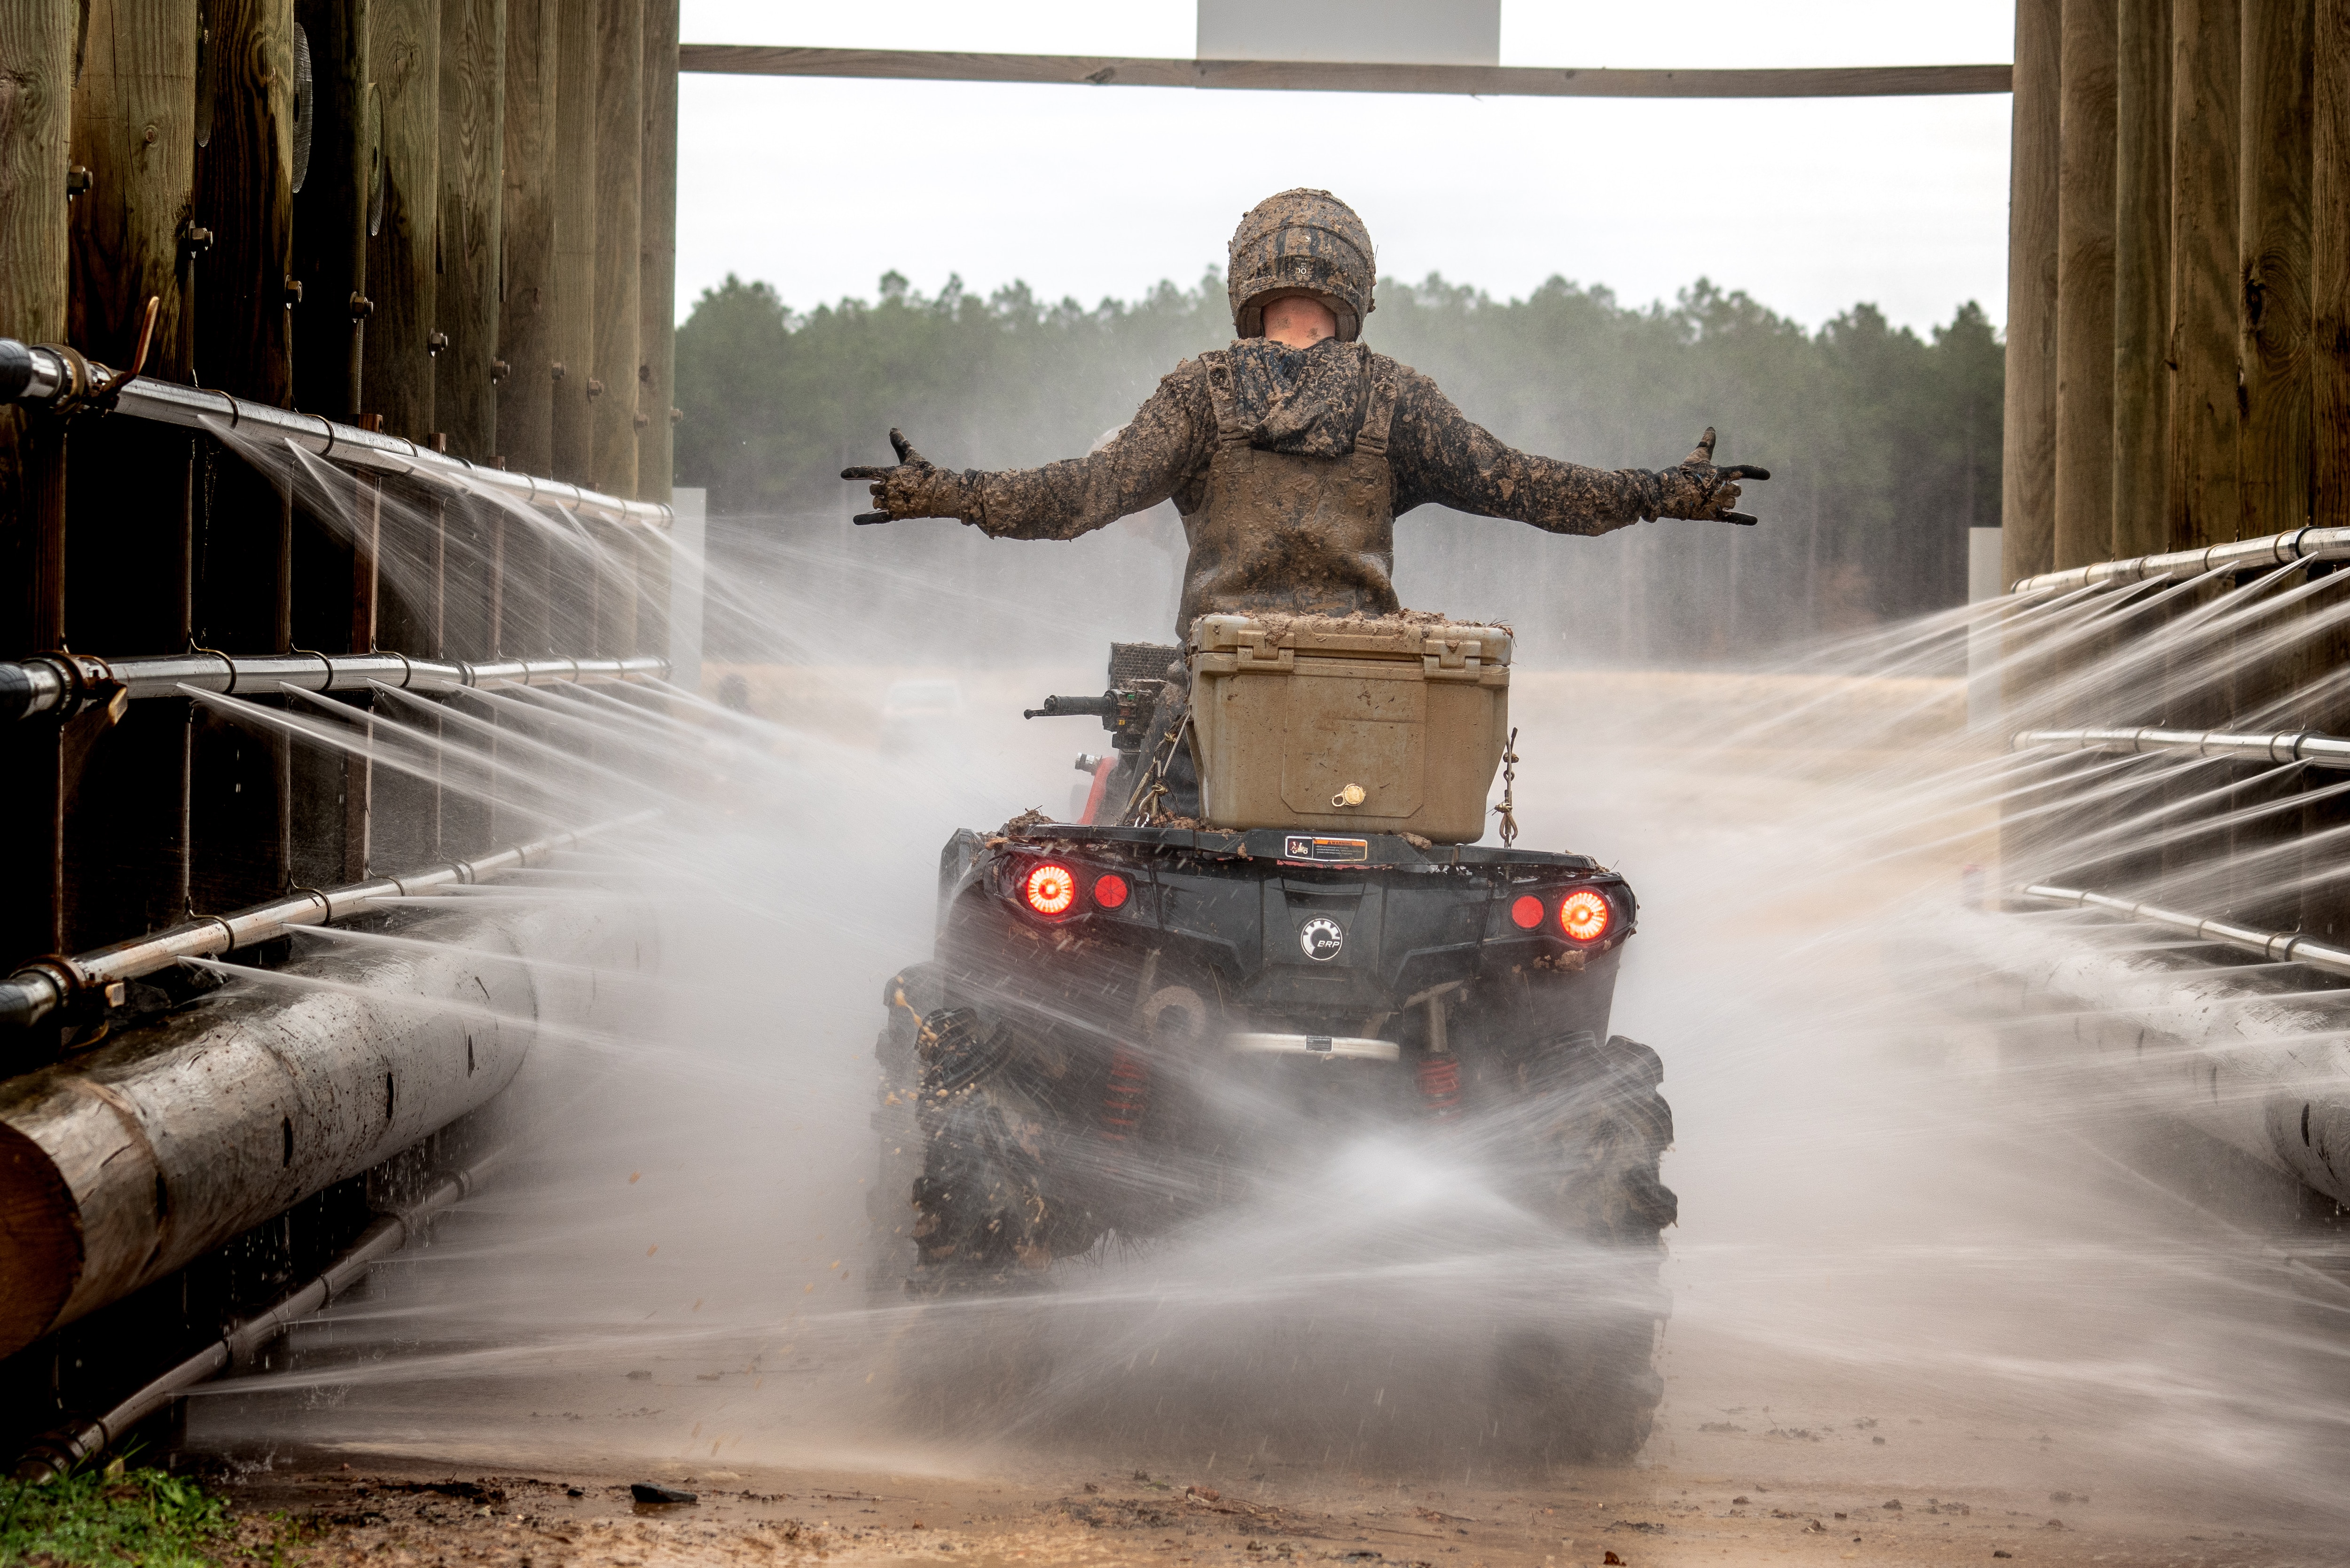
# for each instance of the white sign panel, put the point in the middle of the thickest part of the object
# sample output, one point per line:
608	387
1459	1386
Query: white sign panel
1403	32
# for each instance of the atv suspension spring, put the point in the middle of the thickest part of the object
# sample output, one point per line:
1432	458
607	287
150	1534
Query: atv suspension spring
1128	1097
1439	1087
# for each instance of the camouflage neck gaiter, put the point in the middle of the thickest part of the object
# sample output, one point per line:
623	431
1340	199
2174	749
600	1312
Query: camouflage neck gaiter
1306	401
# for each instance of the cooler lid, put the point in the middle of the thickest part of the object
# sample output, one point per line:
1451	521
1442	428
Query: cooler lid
1407	636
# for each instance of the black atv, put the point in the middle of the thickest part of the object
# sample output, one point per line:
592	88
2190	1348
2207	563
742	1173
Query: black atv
1125	1027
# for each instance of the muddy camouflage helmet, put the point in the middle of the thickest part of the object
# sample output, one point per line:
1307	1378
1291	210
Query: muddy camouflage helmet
1302	242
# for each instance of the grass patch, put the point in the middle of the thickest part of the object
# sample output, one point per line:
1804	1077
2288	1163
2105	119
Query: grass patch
110	1517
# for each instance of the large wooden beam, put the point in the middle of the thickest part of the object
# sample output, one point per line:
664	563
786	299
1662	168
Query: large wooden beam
405	55
2084	286
620	160
2330	266
244	196
331	211
576	115
657	252
466	305
134	130
37	43
527	392
2205	505
1303	76
2273	303
2141	275
2027	472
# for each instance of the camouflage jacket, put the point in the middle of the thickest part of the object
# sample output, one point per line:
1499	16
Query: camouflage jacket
1311	402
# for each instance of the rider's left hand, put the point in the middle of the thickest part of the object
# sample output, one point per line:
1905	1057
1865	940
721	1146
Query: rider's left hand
914	487
1700	491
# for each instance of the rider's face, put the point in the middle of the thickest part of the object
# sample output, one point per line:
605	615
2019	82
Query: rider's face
1299	322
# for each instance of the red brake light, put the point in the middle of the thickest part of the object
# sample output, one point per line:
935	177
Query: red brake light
1051	889
1585	916
1109	891
1527	911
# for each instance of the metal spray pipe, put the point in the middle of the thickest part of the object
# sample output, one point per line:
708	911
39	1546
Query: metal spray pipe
52	682
2281	947
52	376
2244	555
45	985
2285	746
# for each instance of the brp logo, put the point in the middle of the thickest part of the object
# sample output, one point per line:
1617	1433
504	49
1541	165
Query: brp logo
1321	937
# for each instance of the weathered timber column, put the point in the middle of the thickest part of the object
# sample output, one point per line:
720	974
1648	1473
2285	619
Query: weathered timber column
526	323
526	213
620	160
2330	265
657	321
473	148
135	107
2084	286
37	44
405	53
2141	275
2273	205
2325	903
2027	473
244	195
465	406
330	212
125	806
656	266
573	330
2205	506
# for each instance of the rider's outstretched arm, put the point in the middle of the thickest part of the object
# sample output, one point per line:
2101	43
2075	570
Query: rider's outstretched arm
1145	463
1440	456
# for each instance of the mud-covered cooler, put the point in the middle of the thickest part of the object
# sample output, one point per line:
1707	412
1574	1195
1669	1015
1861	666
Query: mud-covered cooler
1356	724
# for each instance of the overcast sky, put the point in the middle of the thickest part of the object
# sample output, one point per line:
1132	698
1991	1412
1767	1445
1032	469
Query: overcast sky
819	186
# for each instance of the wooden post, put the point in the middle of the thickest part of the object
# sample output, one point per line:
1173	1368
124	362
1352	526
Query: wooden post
657	320
526	392
619	159
2330	266
2204	506
526	322
2273	303
135	107
405	53
37	41
244	195
2141	275
2027	473
473	148
2085	287
573	330
657	268
330	212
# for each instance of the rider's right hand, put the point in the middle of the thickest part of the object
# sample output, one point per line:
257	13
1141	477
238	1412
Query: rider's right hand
913	488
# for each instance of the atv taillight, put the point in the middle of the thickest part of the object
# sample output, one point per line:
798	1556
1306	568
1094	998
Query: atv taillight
1585	916
1109	890
1051	889
1527	911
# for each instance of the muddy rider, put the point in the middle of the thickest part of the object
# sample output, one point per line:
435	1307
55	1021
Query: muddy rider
1291	454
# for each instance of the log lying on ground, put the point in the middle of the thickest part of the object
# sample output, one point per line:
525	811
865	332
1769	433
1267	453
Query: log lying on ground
129	1161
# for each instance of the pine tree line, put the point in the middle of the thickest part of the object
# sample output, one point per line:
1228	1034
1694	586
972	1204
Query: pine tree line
1886	448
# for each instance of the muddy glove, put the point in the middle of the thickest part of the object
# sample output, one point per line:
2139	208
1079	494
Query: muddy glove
912	489
1700	491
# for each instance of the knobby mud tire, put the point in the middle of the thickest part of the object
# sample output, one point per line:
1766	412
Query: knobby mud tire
1587	1389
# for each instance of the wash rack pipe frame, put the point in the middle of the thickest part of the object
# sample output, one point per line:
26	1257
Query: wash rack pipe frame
2294	544
44	985
48	682
50	375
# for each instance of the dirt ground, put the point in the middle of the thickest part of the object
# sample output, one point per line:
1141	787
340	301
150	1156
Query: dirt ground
376	1510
